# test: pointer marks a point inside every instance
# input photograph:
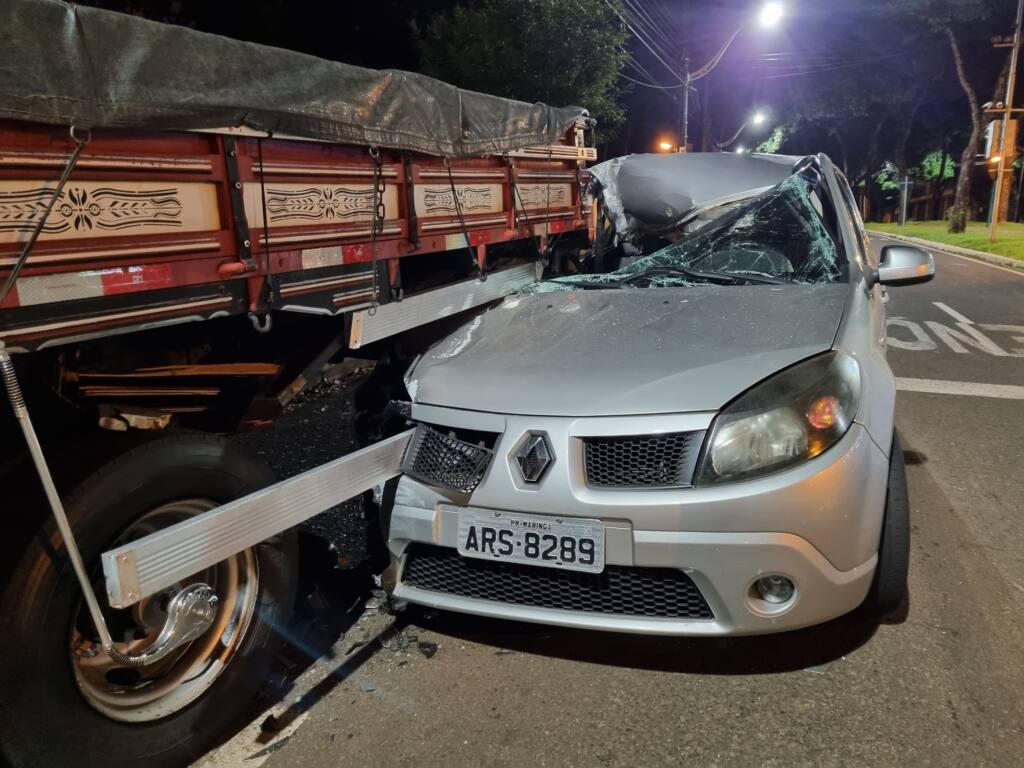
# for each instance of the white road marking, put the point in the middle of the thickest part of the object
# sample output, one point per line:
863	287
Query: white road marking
953	313
1018	329
969	388
968	335
921	341
1011	270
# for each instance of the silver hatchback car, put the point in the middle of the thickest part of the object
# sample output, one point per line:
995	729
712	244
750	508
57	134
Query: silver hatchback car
699	441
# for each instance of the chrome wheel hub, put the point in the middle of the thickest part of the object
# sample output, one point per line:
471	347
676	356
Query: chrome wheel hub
149	692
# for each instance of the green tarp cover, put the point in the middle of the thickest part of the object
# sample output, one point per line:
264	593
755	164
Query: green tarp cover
64	64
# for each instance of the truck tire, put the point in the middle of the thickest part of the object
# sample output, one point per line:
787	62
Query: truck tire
889	587
63	701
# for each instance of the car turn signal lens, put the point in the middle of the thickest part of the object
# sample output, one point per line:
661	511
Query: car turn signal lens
825	412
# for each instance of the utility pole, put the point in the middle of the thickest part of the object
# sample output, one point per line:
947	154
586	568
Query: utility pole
685	128
1007	116
905	186
705	134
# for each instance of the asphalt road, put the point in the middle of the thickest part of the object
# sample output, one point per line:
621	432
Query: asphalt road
942	683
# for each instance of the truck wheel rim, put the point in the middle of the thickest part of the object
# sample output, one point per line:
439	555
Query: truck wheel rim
141	694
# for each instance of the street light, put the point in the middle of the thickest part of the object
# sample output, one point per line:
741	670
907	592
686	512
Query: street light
770	15
665	146
758	118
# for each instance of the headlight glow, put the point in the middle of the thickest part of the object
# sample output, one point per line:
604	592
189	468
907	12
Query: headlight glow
786	419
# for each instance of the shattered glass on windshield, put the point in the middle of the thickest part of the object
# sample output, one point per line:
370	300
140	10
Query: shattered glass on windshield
781	236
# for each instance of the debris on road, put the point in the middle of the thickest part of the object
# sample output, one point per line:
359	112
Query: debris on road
428	649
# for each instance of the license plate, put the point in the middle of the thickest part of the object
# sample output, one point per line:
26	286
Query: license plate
573	544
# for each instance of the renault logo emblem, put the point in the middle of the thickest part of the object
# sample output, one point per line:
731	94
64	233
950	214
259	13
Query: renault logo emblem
533	456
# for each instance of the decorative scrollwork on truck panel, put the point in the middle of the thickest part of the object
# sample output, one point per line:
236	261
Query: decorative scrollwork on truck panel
97	209
436	200
440	199
316	203
82	210
289	205
533	196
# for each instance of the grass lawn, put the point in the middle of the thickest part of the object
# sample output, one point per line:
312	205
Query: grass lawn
1010	236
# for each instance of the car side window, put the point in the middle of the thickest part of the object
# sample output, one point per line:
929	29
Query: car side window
858	222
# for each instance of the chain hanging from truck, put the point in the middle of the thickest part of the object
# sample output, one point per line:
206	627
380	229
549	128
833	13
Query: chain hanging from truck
377	214
462	220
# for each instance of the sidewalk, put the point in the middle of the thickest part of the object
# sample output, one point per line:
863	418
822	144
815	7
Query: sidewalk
991	258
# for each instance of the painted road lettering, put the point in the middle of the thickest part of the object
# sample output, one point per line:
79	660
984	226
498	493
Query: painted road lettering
966	336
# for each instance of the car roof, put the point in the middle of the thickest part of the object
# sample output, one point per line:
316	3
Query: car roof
653	191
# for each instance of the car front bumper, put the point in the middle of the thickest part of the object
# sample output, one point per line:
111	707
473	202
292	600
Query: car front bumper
817	524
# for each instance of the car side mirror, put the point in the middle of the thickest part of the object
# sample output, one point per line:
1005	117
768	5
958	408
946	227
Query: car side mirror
904	265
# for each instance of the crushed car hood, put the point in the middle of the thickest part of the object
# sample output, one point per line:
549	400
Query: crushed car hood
626	351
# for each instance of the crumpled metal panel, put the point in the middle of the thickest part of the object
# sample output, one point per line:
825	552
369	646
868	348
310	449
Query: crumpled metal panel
649	193
64	64
779	234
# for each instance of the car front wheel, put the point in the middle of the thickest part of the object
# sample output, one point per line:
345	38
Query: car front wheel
889	587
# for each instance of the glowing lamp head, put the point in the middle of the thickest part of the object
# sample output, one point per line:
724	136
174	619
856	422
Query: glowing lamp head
758	118
771	14
665	146
825	412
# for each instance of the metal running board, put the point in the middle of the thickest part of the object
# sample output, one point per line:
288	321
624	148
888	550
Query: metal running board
155	562
371	325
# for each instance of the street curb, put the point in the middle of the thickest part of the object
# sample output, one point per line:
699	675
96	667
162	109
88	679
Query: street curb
991	258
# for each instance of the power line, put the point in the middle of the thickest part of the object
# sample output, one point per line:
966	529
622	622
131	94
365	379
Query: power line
632	61
632	29
654	44
823	69
650	81
652	27
666	88
661	17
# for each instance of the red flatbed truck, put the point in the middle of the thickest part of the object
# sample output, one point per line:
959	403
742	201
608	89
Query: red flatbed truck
183	245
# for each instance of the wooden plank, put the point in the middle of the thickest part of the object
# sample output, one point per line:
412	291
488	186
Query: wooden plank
209	369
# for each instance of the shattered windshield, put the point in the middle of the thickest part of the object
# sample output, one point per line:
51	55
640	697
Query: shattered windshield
785	235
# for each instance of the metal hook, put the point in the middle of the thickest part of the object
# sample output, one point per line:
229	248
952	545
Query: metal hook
261	323
72	131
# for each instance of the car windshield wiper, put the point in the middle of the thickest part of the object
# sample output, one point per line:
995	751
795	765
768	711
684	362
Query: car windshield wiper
728	278
589	284
738	277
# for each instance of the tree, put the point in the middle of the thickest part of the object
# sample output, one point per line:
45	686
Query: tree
560	52
856	93
953	22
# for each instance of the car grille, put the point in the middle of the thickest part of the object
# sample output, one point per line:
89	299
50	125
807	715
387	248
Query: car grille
647	592
642	461
444	460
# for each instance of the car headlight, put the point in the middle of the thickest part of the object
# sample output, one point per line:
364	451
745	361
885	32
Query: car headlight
786	419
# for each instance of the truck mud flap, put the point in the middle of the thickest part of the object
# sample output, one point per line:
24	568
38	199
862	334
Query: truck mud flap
145	566
386	320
